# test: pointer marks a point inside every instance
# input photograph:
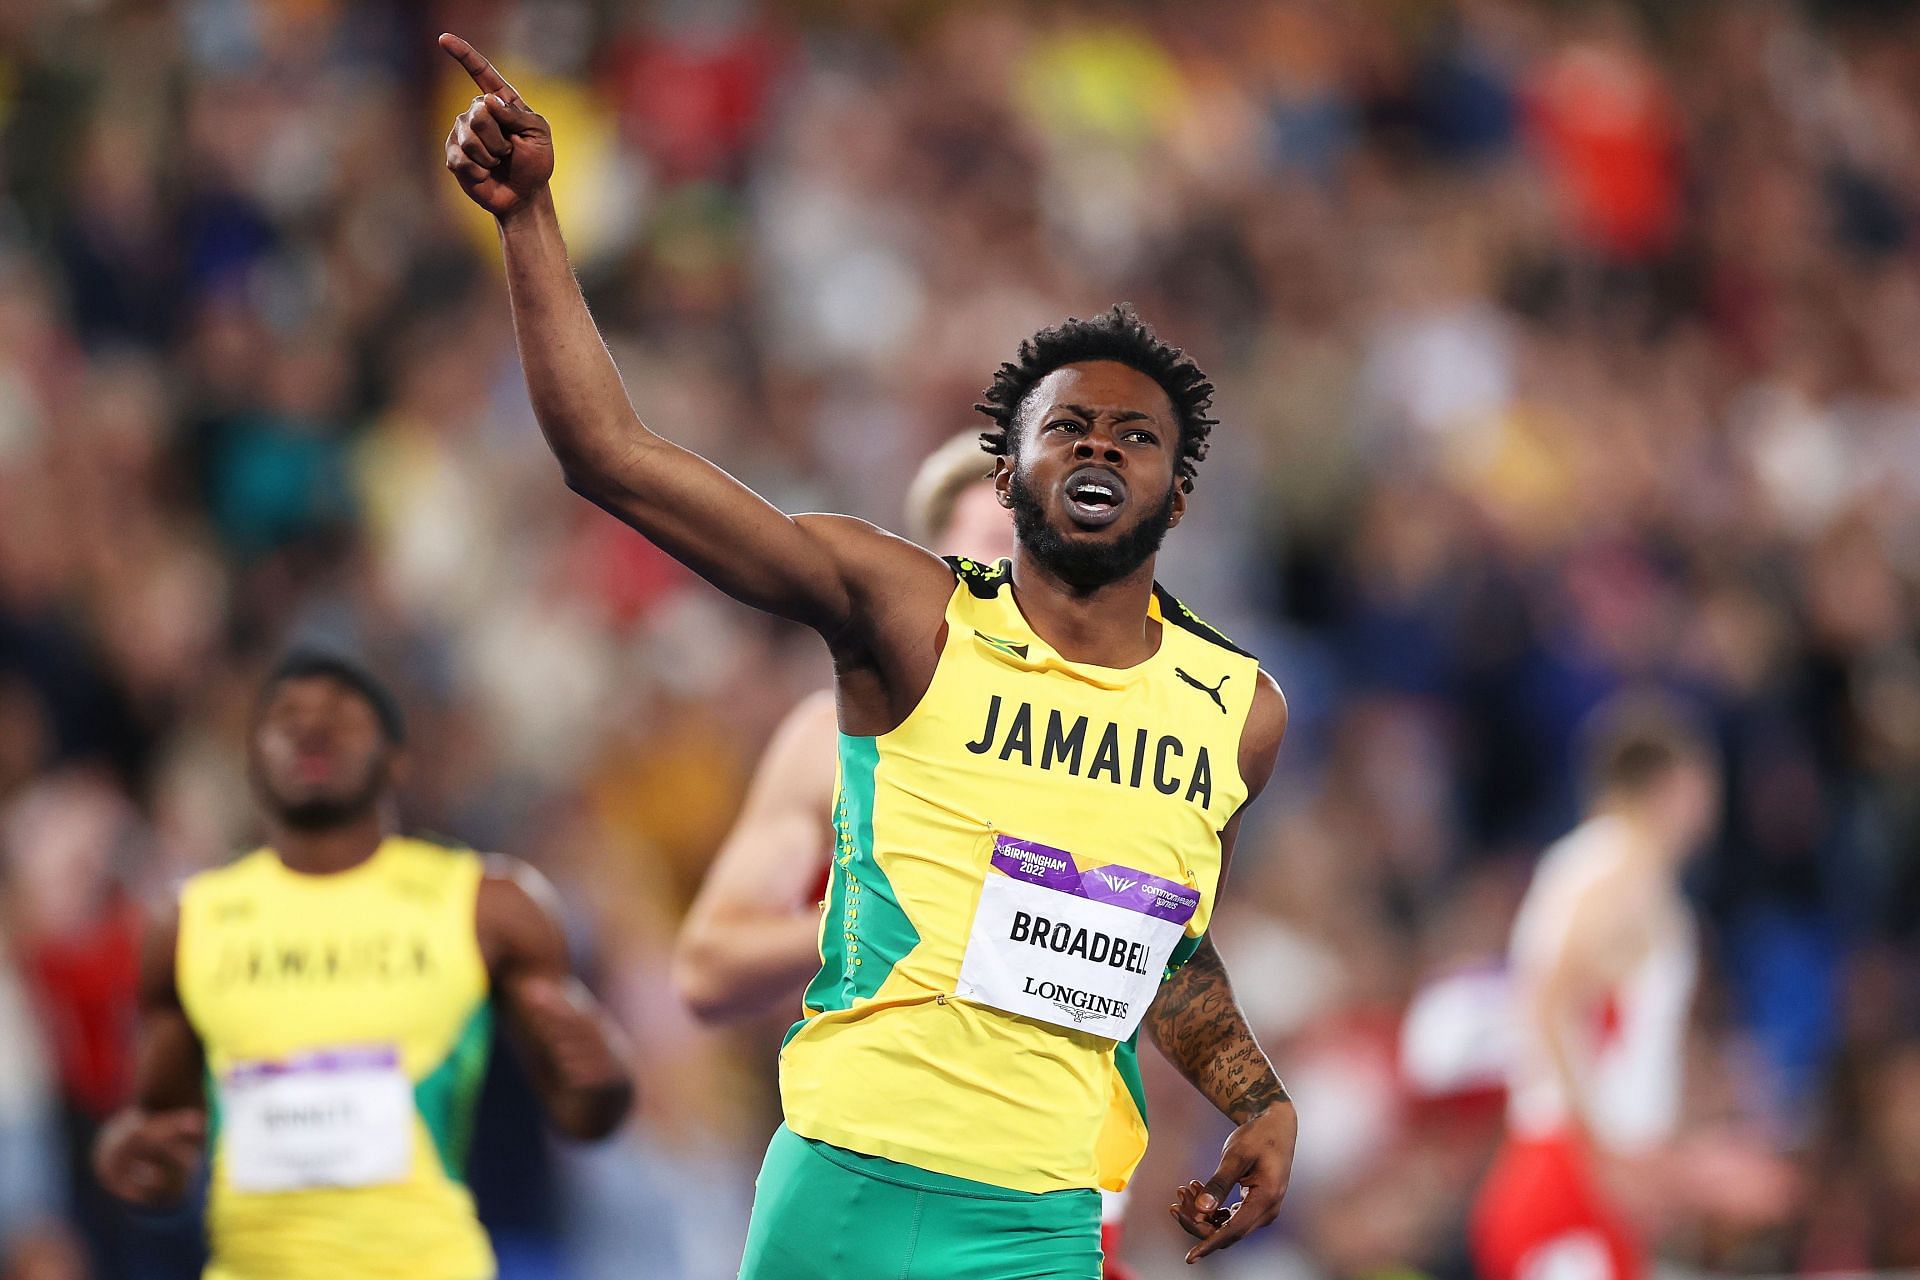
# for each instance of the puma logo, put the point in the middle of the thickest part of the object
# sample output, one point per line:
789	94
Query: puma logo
1211	691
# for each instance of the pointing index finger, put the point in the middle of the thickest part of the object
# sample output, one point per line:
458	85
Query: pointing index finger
482	71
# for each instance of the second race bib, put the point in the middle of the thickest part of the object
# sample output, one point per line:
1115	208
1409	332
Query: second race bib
1079	949
335	1118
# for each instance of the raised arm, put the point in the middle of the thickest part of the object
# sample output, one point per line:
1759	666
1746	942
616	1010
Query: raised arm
147	1153
572	1051
1197	1024
752	937
818	570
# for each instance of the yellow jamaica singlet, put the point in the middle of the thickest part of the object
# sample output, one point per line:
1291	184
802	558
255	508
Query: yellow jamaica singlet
346	1024
1017	865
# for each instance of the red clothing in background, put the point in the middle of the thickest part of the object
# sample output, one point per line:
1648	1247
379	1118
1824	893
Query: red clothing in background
84	985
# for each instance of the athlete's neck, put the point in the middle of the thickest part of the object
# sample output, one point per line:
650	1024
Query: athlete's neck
1106	626
1647	844
331	850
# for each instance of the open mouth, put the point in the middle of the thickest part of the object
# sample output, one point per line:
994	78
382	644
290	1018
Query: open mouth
1094	496
313	766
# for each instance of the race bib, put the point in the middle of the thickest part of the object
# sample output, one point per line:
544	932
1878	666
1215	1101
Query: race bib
334	1118
1079	949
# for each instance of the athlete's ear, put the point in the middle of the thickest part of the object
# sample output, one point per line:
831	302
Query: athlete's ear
1179	502
1003	480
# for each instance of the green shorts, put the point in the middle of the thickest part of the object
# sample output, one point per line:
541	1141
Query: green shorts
824	1213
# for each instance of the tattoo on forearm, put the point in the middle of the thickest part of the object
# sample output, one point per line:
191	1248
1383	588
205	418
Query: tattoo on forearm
1199	1027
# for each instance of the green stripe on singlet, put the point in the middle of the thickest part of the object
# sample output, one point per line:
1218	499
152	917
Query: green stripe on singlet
1182	952
447	1095
866	932
210	1089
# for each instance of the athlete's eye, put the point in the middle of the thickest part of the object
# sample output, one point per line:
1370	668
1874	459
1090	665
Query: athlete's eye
1066	424
1143	437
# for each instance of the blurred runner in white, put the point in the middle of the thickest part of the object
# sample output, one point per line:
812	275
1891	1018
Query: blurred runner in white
1604	958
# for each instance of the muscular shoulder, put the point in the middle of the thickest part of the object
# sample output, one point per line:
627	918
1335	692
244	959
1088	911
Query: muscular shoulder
517	914
1266	727
886	655
880	567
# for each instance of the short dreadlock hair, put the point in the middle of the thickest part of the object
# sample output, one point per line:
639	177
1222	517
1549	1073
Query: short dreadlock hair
305	663
1119	335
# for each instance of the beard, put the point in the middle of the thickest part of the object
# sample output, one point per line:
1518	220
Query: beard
1084	564
324	813
327	812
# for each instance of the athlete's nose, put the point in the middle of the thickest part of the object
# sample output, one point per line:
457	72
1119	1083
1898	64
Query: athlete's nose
312	733
1097	444
313	744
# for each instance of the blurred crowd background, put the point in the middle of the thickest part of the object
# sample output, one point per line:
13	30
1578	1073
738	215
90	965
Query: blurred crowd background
1560	348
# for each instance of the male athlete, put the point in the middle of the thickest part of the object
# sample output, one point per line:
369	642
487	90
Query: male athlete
319	1013
1603	962
1042	767
752	938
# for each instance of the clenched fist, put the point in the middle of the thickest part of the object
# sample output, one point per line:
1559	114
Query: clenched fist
561	1018
149	1157
499	148
575	1053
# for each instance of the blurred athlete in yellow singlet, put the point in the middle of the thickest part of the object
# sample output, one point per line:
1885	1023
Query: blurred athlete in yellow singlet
318	1015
